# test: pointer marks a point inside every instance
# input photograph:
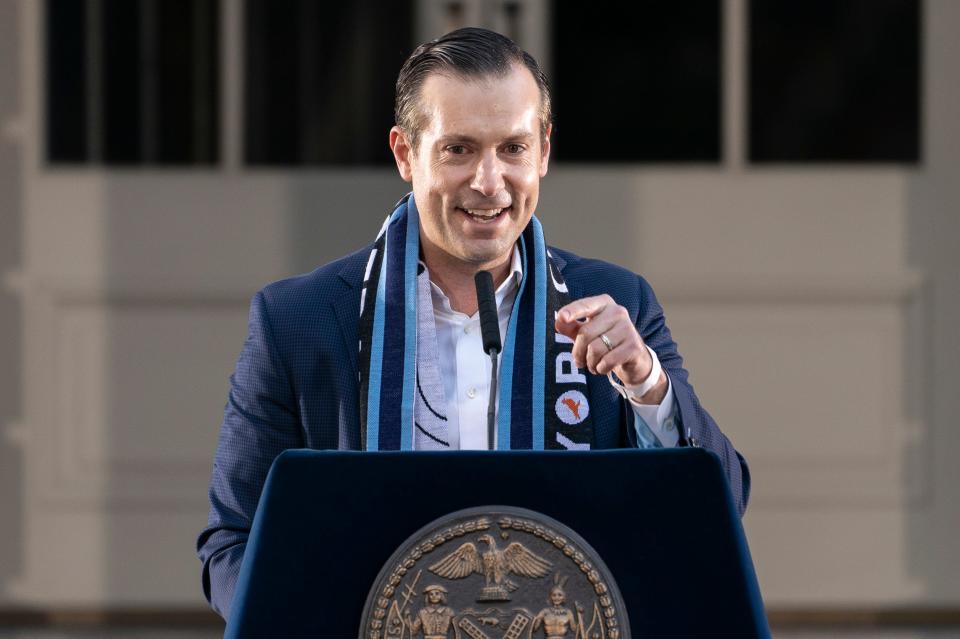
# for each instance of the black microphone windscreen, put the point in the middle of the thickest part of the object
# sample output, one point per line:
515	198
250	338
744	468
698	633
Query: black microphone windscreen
487	304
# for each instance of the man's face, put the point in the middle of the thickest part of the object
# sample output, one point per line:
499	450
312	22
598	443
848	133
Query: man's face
435	596
477	168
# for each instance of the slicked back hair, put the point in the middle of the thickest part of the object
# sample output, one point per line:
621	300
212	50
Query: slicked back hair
468	53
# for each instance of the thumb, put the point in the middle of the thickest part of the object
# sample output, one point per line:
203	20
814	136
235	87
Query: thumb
566	326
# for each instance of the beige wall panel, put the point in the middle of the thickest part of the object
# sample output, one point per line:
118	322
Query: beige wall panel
810	386
64	229
775	222
139	391
128	555
683	224
831	557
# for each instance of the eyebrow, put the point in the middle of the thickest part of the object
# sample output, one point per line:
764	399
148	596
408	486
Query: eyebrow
517	135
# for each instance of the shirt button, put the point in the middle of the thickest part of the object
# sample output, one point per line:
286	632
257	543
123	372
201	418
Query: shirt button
466	329
471	393
669	424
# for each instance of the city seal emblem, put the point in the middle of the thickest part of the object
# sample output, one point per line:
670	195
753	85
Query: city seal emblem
494	572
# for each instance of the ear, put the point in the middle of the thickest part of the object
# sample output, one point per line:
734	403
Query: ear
545	151
402	152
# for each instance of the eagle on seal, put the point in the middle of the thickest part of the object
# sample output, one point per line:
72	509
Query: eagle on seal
494	564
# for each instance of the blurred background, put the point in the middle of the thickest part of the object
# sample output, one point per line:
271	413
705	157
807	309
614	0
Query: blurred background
784	173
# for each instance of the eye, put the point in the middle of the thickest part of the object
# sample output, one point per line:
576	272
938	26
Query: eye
456	149
515	149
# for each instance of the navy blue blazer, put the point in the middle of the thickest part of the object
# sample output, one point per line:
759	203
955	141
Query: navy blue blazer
295	386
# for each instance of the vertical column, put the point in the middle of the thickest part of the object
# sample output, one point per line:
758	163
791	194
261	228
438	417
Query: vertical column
149	72
735	84
231	84
94	81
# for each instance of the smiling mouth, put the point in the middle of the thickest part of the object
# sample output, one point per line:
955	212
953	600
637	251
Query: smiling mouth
484	216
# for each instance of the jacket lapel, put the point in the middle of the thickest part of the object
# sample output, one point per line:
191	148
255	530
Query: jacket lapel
558	260
347	309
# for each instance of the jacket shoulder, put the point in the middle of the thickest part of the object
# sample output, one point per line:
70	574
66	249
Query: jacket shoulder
589	276
325	282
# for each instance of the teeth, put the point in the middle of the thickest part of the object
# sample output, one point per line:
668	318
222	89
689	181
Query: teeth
487	214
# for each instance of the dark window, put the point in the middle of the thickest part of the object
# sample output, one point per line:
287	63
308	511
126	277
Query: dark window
320	79
637	82
66	90
835	81
132	82
125	81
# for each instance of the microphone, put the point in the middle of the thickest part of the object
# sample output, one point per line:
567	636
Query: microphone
487	303
490	331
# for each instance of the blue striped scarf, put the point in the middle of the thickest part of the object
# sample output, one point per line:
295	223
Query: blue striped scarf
549	400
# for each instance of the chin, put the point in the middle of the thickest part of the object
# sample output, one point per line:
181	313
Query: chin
485	254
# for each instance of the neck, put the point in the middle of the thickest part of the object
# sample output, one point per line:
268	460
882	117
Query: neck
455	278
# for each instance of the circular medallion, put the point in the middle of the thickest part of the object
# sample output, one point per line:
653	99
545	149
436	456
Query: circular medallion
572	407
494	572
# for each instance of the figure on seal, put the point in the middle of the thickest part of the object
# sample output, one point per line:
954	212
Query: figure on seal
434	619
556	619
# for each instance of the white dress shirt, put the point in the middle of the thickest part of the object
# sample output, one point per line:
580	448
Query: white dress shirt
465	369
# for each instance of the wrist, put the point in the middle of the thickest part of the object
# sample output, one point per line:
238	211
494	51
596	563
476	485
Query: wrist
650	389
655	395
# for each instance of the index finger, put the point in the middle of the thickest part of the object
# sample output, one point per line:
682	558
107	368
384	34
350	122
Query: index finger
584	308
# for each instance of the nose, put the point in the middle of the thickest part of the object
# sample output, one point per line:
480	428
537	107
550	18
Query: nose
488	177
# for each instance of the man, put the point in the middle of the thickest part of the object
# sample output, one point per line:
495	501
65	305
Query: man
435	619
472	136
556	619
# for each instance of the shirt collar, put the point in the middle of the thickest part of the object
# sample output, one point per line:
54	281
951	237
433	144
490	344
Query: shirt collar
508	289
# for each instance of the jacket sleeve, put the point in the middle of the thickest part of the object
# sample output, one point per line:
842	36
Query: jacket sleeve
697	427
260	421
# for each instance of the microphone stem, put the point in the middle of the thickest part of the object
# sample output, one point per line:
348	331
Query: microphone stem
492	406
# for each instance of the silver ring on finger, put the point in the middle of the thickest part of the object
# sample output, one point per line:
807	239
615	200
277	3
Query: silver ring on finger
606	341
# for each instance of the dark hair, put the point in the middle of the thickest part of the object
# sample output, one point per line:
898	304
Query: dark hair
466	53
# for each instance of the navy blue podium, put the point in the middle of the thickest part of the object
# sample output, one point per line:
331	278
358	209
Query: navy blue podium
663	521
